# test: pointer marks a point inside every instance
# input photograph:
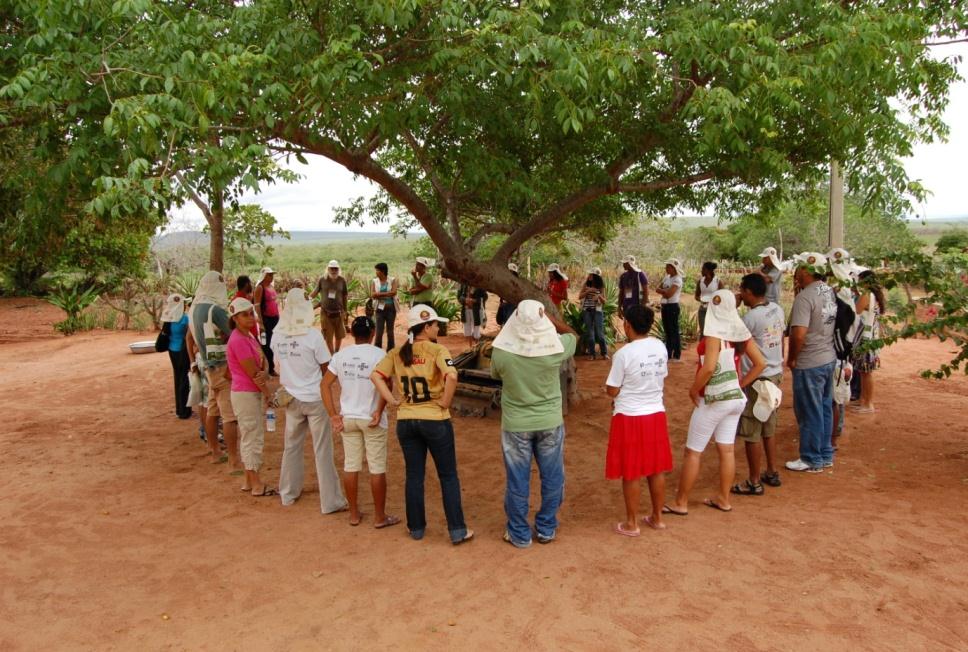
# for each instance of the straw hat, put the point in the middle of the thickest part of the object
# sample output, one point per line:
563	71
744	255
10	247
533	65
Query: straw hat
174	308
770	253
297	314
722	319
768	397
423	314
211	289
554	267
677	265
239	304
529	333
630	259
814	262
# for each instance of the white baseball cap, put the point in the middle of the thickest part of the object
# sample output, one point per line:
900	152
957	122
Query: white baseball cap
423	314
239	304
770	253
512	267
555	267
333	263
630	259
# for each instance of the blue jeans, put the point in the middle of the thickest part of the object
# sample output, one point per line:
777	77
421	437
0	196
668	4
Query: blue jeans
670	325
417	436
547	447
594	331
813	405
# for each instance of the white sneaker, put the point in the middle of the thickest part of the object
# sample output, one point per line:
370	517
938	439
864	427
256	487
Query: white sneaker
800	465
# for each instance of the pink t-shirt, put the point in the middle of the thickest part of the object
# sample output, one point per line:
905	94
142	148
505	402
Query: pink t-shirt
270	302
241	346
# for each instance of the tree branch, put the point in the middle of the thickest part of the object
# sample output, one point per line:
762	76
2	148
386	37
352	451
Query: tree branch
484	231
667	183
196	198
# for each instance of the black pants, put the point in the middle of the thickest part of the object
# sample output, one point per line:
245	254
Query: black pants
179	367
385	319
270	325
670	325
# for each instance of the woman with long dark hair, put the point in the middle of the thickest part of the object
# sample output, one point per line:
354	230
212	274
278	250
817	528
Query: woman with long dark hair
870	305
428	380
266	301
592	299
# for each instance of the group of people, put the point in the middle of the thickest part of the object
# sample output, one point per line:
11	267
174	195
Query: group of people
735	392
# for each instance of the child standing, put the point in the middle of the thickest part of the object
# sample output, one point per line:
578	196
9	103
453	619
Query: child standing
638	440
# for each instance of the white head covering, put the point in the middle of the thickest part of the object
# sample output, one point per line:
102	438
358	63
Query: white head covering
770	253
263	272
529	333
841	264
297	314
597	271
239	304
426	262
630	259
423	314
722	319
678	265
813	261
768	397
333	263
211	289
554	267
174	308
512	267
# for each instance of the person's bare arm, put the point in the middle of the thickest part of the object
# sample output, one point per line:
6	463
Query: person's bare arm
380	407
612	391
863	303
711	358
381	386
759	364
252	370
798	336
560	326
329	379
696	293
393	289
450	387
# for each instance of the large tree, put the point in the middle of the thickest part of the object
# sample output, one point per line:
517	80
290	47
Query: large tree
517	118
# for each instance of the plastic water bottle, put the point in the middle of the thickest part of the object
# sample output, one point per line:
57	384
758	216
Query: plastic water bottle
270	420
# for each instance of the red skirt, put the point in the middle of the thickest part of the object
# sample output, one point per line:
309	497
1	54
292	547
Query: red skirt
638	447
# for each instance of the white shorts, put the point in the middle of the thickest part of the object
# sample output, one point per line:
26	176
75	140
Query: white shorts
470	330
717	420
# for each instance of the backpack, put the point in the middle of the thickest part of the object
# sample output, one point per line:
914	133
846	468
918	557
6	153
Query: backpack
846	336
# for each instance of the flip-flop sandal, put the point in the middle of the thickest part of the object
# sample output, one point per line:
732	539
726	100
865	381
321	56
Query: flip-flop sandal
266	492
747	488
387	522
245	489
237	472
772	479
668	510
467	537
360	520
626	533
709	502
648	521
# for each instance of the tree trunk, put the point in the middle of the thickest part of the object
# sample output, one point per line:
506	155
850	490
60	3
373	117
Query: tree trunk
493	277
216	227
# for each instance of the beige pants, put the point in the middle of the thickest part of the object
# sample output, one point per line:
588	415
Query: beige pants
357	435
252	436
219	389
300	417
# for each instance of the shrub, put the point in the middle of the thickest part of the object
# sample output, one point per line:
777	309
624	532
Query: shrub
73	300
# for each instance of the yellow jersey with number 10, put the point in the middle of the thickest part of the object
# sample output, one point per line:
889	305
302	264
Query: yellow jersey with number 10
422	383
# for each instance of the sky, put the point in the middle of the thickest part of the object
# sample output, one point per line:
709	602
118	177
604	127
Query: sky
309	204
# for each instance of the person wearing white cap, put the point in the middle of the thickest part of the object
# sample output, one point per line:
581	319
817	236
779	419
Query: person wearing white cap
174	324
506	308
428	380
766	322
812	357
557	285
266	300
471	301
249	390
421	288
633	286
772	272
670	289
717	393
592	300
211	329
527	358
303	358
333	294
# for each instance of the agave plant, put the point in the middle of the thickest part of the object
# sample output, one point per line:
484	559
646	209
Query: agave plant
73	300
445	304
573	315
186	284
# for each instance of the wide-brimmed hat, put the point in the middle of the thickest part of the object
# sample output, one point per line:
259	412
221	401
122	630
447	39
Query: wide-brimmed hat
426	262
265	271
555	267
815	263
174	308
297	314
238	305
841	264
423	314
768	398
528	332
770	253
513	268
630	259
677	265
211	289
722	319
597	271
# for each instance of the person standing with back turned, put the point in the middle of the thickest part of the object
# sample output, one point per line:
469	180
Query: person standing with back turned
527	357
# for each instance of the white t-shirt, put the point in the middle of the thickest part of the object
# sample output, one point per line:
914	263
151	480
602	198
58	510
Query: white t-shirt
352	366
706	292
299	358
668	282
639	368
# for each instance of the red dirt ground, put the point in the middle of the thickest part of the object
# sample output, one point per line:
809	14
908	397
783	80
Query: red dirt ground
117	534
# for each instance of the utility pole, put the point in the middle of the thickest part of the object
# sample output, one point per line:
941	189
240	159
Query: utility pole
835	233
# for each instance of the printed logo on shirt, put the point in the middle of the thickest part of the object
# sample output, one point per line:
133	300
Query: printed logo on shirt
450	363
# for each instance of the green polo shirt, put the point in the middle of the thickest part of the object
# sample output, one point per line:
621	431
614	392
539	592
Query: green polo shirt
427	295
531	394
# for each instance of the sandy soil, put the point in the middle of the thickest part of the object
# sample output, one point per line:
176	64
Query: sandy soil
117	534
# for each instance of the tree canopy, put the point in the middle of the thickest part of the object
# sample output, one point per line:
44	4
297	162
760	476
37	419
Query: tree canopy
497	117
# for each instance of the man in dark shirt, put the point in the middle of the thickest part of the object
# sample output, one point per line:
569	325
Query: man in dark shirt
633	286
